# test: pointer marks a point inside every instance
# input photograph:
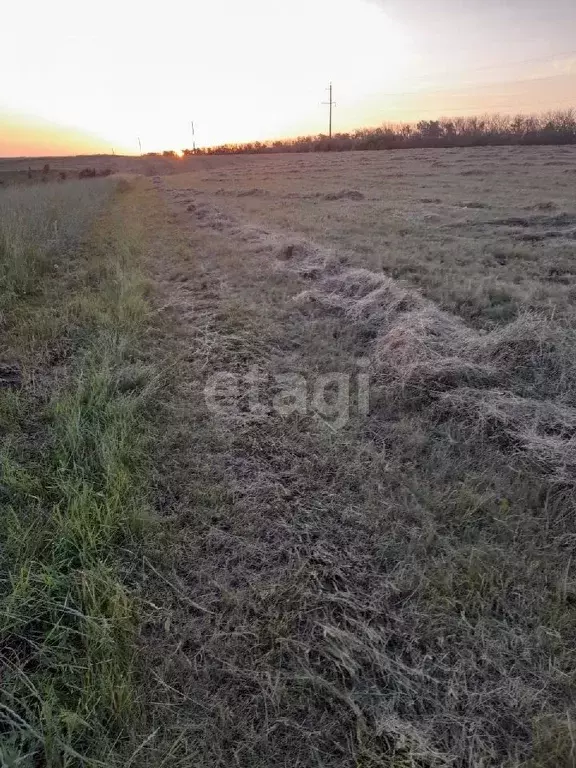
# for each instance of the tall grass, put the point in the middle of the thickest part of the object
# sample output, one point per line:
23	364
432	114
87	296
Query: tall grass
71	493
38	224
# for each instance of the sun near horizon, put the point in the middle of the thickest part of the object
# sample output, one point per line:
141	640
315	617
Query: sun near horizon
82	80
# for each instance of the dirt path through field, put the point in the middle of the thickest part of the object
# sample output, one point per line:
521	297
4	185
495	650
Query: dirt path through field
343	587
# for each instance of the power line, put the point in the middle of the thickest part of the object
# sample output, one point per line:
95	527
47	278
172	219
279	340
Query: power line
483	109
472	85
462	86
504	65
535	60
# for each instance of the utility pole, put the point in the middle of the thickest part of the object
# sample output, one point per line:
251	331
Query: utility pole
193	137
140	145
330	105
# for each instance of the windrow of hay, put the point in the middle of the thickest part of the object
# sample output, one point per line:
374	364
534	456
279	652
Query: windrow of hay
421	353
418	351
545	430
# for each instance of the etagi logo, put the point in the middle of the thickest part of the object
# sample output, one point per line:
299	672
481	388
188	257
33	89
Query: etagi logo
332	396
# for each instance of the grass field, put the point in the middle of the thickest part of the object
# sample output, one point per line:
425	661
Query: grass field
482	232
397	591
30	171
358	551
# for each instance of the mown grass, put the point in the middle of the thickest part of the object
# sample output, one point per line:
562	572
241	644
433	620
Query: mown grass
73	461
395	592
484	232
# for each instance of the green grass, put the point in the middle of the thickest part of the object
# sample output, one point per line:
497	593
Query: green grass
73	489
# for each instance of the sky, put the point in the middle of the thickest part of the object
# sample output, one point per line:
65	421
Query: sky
79	77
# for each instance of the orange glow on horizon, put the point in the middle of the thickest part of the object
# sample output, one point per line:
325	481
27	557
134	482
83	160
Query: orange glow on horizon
27	136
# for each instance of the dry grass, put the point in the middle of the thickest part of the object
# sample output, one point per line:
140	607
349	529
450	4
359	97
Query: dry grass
485	233
30	171
38	224
398	592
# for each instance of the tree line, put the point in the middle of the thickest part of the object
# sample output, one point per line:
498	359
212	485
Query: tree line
557	127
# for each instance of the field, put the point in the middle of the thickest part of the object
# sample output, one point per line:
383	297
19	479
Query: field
484	233
349	382
29	171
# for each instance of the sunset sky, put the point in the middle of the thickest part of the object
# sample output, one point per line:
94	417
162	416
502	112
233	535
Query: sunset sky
79	77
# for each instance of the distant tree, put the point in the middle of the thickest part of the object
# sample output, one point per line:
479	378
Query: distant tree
429	129
169	153
480	130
